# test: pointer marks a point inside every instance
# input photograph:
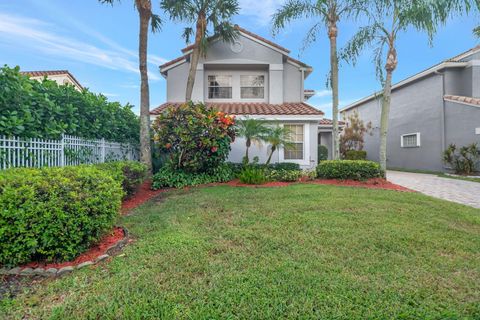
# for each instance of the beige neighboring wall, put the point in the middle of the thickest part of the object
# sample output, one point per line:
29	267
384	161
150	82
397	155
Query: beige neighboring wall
59	76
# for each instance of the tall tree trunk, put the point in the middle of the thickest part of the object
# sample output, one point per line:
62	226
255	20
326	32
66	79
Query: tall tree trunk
144	8
249	143
195	56
390	66
332	34
270	156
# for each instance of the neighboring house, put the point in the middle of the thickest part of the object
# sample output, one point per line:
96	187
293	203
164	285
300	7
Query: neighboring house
256	78
429	111
59	76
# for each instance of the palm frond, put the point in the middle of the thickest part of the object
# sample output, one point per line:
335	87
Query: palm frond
295	9
361	40
156	22
476	31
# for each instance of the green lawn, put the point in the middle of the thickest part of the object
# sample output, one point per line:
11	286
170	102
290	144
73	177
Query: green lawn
303	251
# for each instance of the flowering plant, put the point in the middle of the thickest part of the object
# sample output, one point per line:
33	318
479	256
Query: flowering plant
196	138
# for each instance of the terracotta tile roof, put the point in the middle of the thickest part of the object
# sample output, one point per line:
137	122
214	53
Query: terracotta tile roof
462	99
242	108
251	34
328	122
169	63
51	73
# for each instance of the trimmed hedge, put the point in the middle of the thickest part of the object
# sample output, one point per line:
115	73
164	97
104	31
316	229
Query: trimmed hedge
54	214
356	155
283	175
169	177
349	169
130	174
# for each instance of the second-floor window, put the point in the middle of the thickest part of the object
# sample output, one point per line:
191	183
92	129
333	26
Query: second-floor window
220	87
252	87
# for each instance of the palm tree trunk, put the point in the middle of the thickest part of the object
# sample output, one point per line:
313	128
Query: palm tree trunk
195	56
332	34
387	91
270	156
144	8
249	143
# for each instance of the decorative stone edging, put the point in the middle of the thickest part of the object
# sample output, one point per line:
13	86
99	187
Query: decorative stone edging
460	176
56	272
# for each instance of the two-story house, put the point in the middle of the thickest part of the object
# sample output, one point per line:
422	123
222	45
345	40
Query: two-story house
256	78
430	110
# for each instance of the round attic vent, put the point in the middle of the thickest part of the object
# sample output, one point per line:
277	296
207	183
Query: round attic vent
236	46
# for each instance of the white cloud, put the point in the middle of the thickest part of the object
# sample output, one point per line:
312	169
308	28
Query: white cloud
106	94
38	35
261	10
323	93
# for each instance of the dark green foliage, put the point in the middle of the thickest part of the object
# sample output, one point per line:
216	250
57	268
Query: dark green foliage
34	109
283	175
322	153
54	213
169	177
463	160
130	174
349	169
285	166
356	155
195	138
253	175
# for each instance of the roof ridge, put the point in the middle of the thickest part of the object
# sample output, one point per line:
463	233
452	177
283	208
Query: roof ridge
250	33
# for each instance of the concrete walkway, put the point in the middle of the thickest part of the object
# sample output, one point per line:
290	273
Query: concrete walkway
460	191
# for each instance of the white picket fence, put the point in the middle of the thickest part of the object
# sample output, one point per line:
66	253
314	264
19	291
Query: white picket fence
68	151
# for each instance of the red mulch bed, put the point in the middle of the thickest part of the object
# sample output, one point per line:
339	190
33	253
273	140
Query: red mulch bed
94	252
376	183
143	194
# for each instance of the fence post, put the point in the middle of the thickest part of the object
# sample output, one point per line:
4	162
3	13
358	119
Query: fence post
103	150
62	151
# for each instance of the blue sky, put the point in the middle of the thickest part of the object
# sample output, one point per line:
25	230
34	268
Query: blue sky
98	44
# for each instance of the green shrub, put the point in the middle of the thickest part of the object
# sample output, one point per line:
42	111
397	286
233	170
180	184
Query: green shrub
322	153
285	166
283	175
130	174
169	177
195	138
54	213
464	160
44	109
349	169
355	155
252	175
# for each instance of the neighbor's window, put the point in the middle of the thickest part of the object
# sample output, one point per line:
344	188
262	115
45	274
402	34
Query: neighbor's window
252	87
295	150
219	87
410	140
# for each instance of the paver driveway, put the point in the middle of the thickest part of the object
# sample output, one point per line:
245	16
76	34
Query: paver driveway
460	191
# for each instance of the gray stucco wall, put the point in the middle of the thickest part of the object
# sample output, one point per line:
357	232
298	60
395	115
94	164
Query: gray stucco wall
262	150
459	82
415	108
476	81
292	83
460	124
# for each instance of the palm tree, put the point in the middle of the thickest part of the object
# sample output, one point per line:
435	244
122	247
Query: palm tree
147	18
203	14
387	20
253	130
277	137
327	13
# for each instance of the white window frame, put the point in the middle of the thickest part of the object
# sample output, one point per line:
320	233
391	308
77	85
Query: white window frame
410	134
253	75
220	75
235	74
306	145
